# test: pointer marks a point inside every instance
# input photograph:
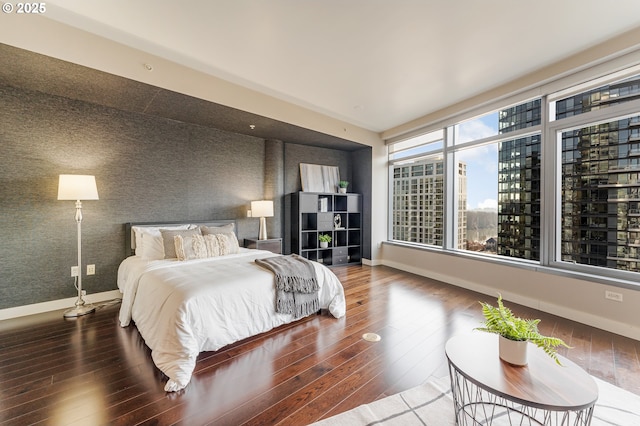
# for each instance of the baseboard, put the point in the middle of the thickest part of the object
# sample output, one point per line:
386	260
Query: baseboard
54	305
561	311
370	262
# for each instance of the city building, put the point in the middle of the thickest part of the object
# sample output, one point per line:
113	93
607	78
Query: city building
519	198
519	184
418	202
600	168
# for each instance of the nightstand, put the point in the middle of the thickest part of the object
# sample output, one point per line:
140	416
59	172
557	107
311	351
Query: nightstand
273	245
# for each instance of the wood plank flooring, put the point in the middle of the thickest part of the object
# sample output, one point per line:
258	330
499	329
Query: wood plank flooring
91	371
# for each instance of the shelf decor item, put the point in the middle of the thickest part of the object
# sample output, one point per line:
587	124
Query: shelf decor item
324	239
515	333
319	178
337	222
342	186
78	187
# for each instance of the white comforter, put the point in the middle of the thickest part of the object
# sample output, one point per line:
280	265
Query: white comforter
184	308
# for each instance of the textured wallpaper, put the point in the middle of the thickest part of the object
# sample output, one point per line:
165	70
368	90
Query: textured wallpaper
147	169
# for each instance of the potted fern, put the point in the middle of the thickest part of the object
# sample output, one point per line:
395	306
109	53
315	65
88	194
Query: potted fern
515	333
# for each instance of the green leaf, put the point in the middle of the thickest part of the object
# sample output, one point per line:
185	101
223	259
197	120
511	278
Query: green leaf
501	320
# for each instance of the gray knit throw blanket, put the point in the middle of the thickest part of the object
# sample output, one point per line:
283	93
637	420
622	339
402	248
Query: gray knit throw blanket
296	284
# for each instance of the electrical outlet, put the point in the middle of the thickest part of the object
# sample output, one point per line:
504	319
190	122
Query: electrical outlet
74	271
612	295
91	269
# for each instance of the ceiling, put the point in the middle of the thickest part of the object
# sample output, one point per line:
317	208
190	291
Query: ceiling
376	64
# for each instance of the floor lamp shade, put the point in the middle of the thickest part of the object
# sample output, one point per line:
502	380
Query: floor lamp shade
78	188
262	209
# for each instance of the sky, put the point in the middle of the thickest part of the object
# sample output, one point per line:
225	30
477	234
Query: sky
482	162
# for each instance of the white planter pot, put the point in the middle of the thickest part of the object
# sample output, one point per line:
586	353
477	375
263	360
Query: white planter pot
513	352
342	190
324	244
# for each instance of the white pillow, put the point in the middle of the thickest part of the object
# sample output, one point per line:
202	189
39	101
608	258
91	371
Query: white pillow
149	243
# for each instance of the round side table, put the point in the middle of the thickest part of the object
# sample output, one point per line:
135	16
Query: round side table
487	390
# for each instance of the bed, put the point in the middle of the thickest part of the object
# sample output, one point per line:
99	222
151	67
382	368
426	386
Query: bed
184	306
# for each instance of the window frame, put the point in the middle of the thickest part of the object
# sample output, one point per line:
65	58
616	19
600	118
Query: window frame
550	132
553	190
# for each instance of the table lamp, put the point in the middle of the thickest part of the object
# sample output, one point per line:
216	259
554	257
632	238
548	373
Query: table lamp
262	209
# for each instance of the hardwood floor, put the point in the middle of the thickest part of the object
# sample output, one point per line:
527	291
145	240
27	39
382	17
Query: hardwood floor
92	371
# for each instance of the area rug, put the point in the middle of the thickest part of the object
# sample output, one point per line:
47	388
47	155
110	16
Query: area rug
432	404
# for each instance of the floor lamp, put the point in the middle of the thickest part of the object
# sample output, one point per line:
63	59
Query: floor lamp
78	187
262	209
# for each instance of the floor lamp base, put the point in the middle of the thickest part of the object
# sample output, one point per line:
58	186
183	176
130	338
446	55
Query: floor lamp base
79	311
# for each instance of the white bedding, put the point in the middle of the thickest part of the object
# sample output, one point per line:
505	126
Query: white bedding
182	308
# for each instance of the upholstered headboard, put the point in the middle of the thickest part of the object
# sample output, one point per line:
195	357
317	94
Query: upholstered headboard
130	240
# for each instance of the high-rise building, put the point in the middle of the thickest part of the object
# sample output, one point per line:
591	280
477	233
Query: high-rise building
601	185
519	198
519	184
418	202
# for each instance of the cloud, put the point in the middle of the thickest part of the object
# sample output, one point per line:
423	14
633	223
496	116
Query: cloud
481	160
482	153
477	129
488	204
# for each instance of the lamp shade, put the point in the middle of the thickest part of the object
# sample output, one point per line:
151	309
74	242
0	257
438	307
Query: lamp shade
262	208
77	187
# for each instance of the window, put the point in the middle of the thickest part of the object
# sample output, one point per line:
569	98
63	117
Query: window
600	195
495	185
418	190
502	209
495	204
598	98
598	224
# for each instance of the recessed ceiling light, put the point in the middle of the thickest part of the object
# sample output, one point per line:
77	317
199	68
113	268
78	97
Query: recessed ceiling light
148	67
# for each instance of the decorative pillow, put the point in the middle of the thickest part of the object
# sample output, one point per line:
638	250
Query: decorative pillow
225	229
197	246
228	230
148	240
190	247
169	245
228	244
221	244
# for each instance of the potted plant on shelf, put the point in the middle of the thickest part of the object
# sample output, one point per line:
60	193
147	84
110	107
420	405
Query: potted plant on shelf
324	239
342	186
515	333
